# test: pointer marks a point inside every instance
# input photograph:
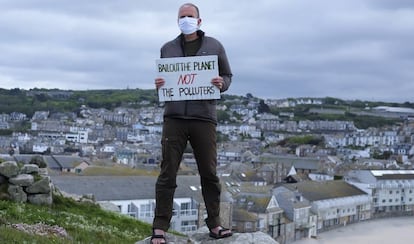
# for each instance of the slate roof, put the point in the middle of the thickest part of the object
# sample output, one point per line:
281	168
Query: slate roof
6	157
307	163
235	167
51	163
256	204
297	178
242	215
393	174
69	161
24	157
288	199
106	188
316	191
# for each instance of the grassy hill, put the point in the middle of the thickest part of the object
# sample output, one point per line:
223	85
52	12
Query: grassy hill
67	221
56	101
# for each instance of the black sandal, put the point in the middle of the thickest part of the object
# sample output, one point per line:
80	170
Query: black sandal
220	234
154	236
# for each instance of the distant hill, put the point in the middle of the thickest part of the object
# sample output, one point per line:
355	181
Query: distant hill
328	108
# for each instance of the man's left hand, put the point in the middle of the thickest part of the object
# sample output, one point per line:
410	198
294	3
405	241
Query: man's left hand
218	82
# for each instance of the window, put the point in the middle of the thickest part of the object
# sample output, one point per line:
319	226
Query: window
190	225
234	225
185	206
145	211
186	209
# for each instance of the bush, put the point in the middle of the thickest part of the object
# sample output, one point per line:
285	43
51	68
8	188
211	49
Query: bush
39	161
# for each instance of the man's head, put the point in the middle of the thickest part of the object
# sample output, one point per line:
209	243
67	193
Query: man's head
189	9
189	18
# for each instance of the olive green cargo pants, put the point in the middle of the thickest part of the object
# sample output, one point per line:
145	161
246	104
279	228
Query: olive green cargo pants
202	137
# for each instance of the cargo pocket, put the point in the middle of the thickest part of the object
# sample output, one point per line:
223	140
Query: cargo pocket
172	152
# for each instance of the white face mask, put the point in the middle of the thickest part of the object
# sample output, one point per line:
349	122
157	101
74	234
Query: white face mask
188	25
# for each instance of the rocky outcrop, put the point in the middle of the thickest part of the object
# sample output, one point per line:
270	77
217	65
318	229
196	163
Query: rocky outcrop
201	237
25	184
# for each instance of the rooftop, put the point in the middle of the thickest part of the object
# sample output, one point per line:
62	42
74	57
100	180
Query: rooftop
316	191
106	188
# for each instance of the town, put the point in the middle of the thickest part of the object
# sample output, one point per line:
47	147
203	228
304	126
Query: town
283	174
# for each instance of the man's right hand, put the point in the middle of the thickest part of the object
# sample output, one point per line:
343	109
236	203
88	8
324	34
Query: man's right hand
159	82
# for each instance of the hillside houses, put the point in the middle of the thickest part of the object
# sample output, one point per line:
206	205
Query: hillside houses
135	196
286	211
288	192
370	137
97	127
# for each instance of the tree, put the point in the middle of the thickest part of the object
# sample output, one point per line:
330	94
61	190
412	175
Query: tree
222	116
263	107
39	161
249	96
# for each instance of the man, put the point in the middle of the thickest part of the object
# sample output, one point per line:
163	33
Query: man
191	121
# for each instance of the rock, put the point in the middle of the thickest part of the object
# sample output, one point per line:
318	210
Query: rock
109	207
4	196
29	169
171	239
41	199
21	186
43	171
22	180
42	186
201	236
41	229
9	169
17	194
3	179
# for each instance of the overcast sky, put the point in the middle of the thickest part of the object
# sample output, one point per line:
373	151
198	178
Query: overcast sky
350	49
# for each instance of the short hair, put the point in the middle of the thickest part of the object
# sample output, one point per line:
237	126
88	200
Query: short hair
194	6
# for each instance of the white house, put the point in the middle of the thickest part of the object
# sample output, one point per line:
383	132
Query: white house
335	203
392	191
135	196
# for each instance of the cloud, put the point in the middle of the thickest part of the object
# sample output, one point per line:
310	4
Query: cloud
356	49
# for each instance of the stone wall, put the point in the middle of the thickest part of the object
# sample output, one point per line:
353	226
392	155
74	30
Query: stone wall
27	183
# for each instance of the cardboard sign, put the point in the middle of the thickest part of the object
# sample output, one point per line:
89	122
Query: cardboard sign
188	78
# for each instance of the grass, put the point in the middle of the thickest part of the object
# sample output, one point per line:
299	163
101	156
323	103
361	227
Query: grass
84	223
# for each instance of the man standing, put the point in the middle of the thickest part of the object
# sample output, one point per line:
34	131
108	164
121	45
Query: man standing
191	121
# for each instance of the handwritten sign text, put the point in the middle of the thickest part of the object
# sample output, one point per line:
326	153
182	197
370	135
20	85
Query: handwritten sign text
188	78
